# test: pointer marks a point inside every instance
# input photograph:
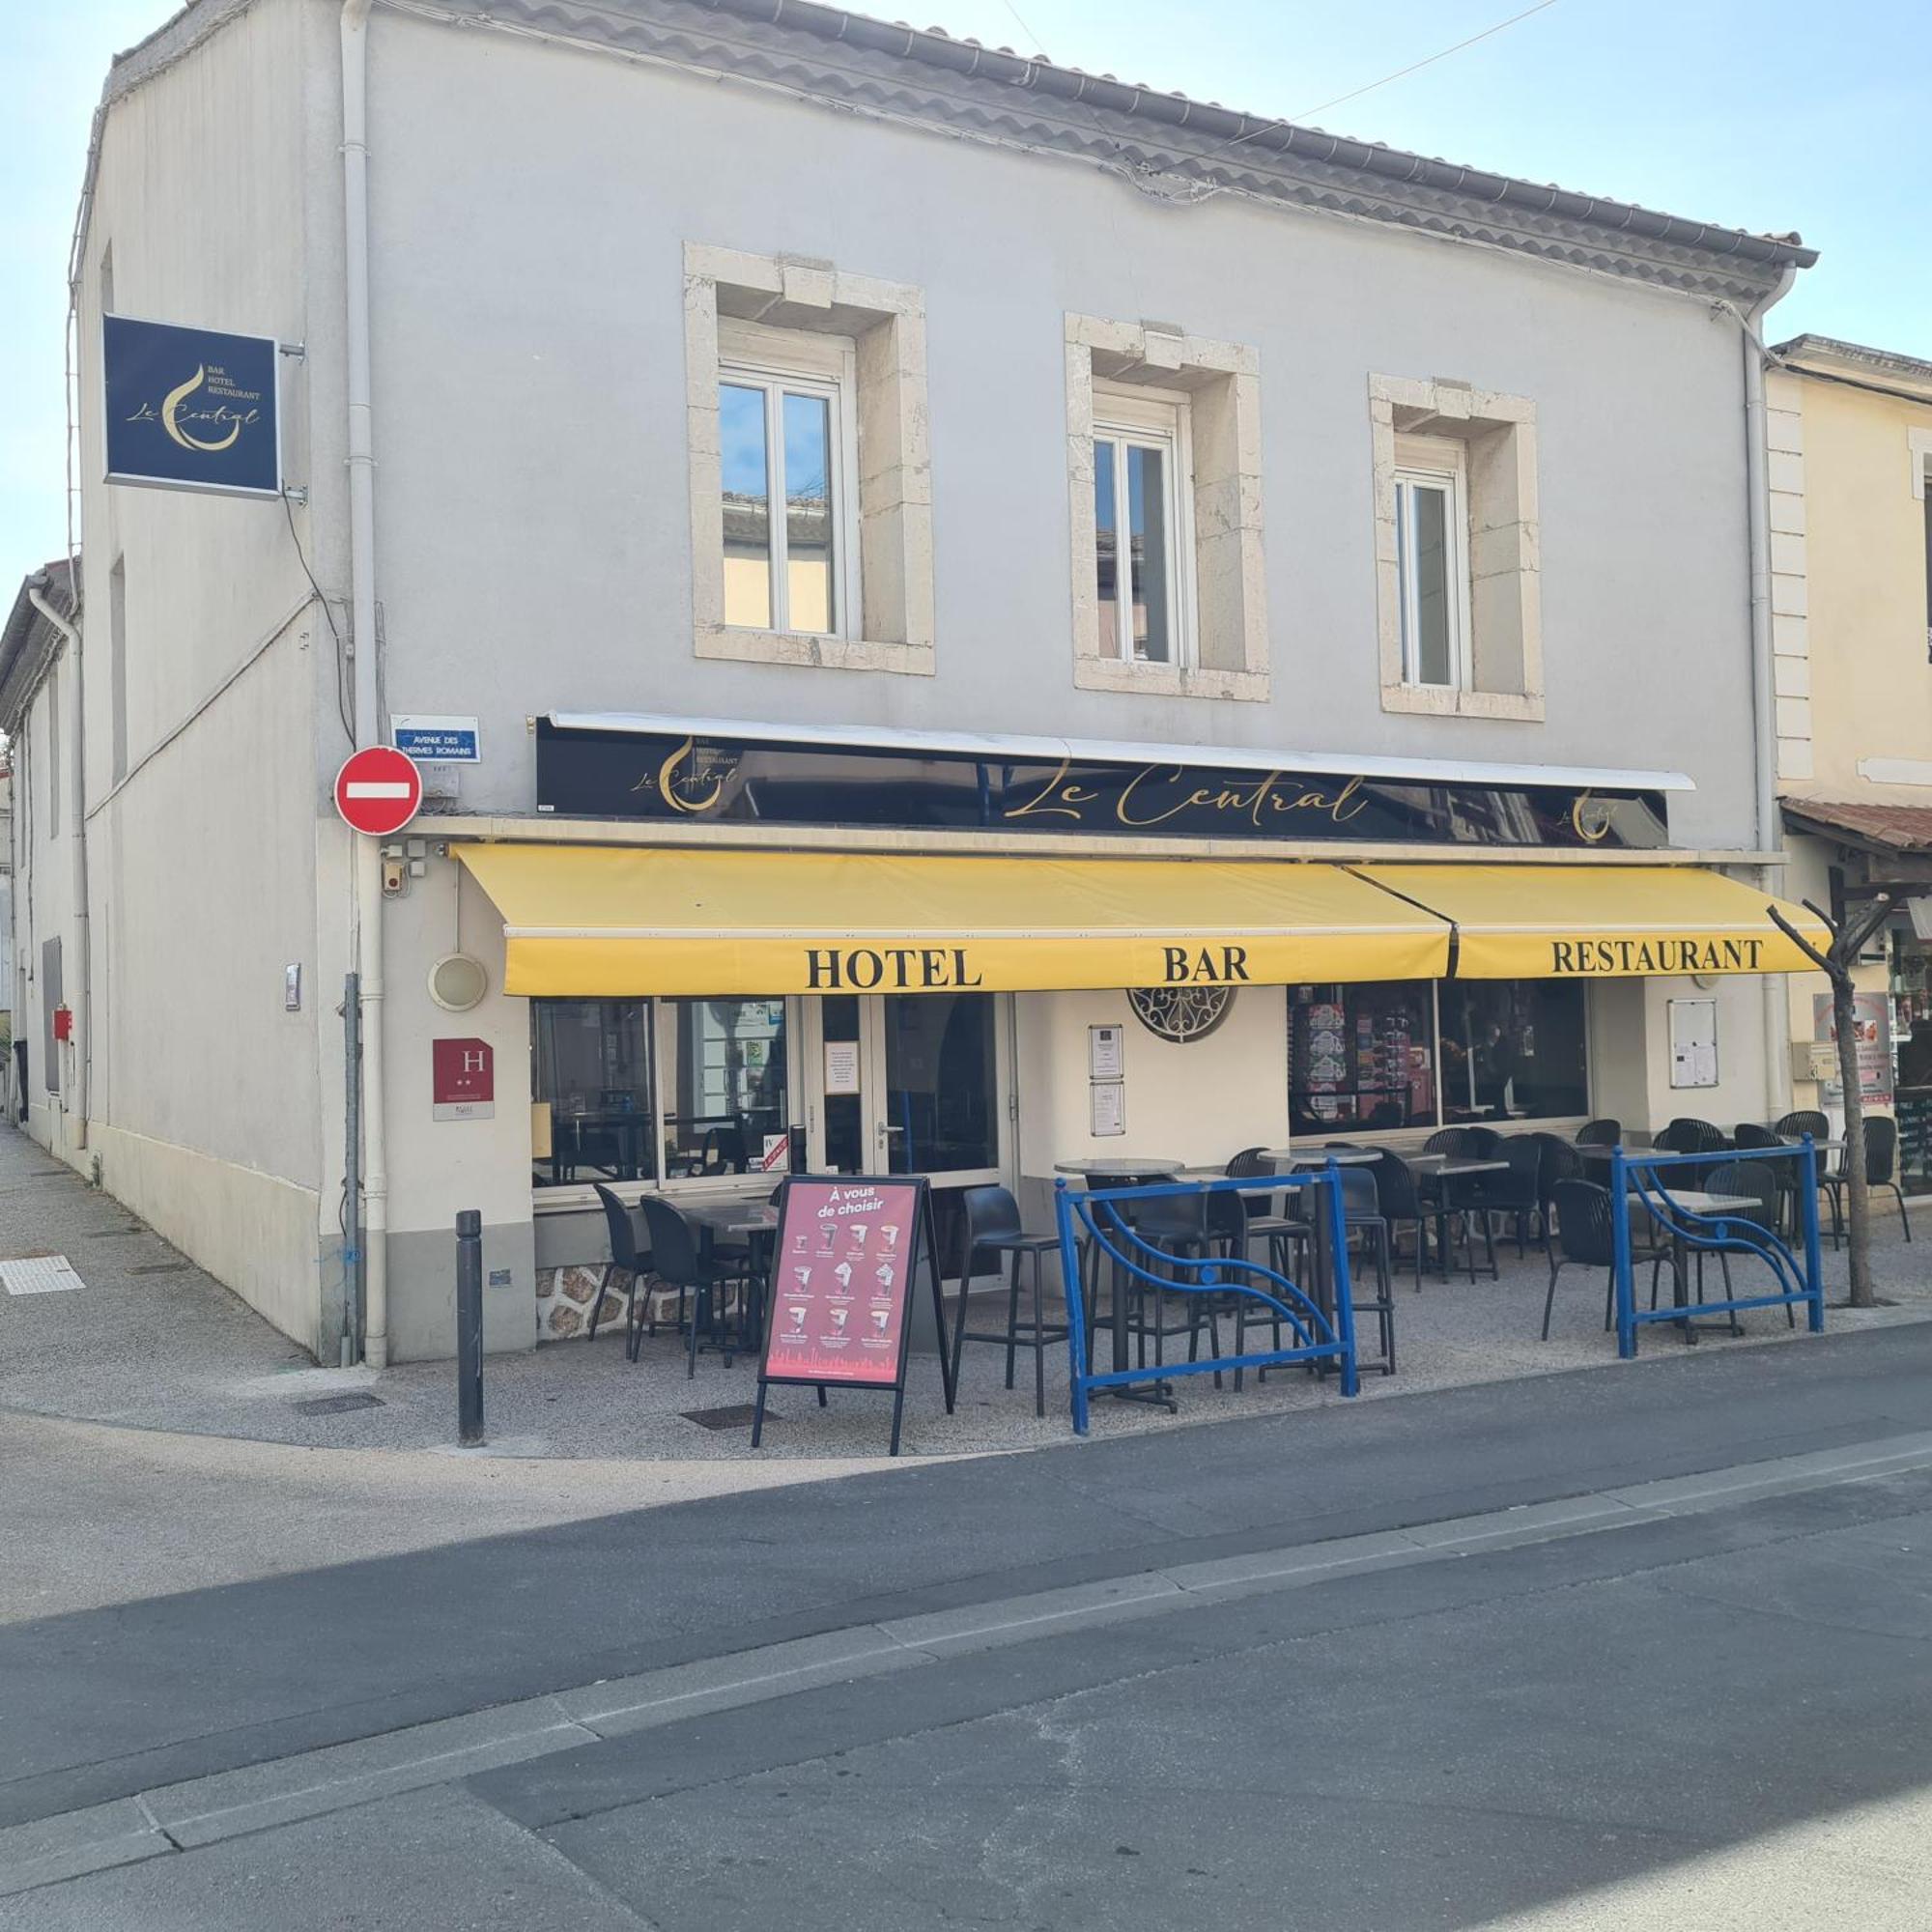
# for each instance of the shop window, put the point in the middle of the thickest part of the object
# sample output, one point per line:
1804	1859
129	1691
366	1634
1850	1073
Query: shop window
811	484
1361	1058
1457	563
1512	1049
655	1091
1163	451
722	1071
1385	1056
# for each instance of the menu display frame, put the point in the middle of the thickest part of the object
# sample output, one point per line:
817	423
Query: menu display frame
840	1233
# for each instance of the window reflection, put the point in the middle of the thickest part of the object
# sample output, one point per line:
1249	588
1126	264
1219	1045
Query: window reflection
747	521
1362	1056
1147	506
1106	545
591	1070
942	1083
809	561
1512	1048
721	1068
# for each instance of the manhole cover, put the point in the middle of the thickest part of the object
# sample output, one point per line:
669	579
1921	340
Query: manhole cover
37	1274
735	1415
337	1405
159	1267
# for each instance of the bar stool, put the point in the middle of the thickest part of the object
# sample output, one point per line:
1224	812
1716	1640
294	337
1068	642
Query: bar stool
992	1224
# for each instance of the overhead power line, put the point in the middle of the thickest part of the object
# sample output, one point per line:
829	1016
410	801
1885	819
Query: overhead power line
1416	67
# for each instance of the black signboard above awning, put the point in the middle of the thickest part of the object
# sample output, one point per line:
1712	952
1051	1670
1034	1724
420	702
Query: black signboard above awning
721	772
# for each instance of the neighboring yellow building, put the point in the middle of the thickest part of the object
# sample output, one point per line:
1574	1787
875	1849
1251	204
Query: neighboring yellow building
1850	434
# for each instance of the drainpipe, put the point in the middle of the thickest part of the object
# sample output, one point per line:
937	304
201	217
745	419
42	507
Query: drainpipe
373	1248
84	1053
1777	1015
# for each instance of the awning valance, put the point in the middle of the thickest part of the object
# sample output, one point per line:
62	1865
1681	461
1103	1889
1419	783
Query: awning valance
1602	922
612	921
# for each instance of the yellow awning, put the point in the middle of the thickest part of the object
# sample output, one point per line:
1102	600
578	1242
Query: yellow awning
612	921
1601	922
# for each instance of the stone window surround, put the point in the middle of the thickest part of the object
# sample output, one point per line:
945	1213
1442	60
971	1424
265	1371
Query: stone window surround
1222	382
886	322
1505	591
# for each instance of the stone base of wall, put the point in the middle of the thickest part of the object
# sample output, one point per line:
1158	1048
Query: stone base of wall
566	1296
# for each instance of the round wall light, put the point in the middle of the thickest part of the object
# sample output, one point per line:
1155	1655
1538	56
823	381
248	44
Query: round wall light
456	982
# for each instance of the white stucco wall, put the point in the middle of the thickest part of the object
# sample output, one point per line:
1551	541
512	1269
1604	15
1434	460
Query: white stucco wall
530	211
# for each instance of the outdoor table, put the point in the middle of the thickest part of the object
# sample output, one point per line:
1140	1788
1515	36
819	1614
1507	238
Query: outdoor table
757	1221
1117	1167
1320	1157
1436	1168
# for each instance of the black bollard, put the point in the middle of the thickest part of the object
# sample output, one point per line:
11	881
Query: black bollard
470	1327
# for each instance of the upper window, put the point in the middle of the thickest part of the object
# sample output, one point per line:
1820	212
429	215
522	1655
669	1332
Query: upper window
799	554
1163	470
1143	535
785	434
1432	540
1458	571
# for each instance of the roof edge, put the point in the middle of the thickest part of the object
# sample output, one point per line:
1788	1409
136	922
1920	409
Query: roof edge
1886	369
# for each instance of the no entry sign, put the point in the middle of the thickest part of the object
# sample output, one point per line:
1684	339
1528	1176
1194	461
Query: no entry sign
378	790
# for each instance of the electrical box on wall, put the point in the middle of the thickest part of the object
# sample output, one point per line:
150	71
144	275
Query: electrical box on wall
1814	1060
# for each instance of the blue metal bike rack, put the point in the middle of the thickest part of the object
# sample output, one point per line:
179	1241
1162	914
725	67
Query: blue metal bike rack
1320	1337
1635	1182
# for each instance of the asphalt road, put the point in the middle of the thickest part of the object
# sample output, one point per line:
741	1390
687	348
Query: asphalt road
1713	1716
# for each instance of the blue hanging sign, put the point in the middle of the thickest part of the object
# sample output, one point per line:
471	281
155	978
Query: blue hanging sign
190	408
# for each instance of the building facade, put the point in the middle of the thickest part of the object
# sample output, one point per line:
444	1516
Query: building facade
1851	442
1007	617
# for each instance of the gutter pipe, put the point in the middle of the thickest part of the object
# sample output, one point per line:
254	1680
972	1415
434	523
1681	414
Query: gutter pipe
372	1248
1776	1018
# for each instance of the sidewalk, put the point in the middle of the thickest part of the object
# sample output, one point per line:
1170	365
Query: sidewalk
151	1343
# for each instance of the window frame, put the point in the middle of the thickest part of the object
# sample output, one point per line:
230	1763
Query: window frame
773	361
1439	464
1158	419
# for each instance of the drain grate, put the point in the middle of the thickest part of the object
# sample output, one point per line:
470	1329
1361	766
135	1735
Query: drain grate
37	1274
337	1405
159	1267
734	1415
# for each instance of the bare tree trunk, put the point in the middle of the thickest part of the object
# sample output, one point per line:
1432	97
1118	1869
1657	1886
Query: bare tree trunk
1858	1215
1849	937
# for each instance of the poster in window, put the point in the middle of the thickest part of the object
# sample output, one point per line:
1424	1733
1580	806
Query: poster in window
842	1066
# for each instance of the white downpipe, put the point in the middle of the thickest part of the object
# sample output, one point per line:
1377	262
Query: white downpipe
368	864
1775	1007
79	1098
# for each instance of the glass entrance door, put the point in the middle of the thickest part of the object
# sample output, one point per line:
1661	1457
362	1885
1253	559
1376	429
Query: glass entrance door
910	1084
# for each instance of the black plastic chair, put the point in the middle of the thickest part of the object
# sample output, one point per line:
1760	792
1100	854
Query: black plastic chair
1481	1143
1684	1135
1452	1141
992	1226
1283	1232
1560	1162
1519	1193
1806	1121
1760	1181
678	1262
1882	1161
1363	1220
1585	1234
1401	1203
1749	1136
626	1259
1599	1133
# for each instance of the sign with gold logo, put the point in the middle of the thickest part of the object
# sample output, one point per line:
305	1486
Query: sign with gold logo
584	772
190	408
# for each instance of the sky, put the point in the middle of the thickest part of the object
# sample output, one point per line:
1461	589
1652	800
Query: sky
1759	114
